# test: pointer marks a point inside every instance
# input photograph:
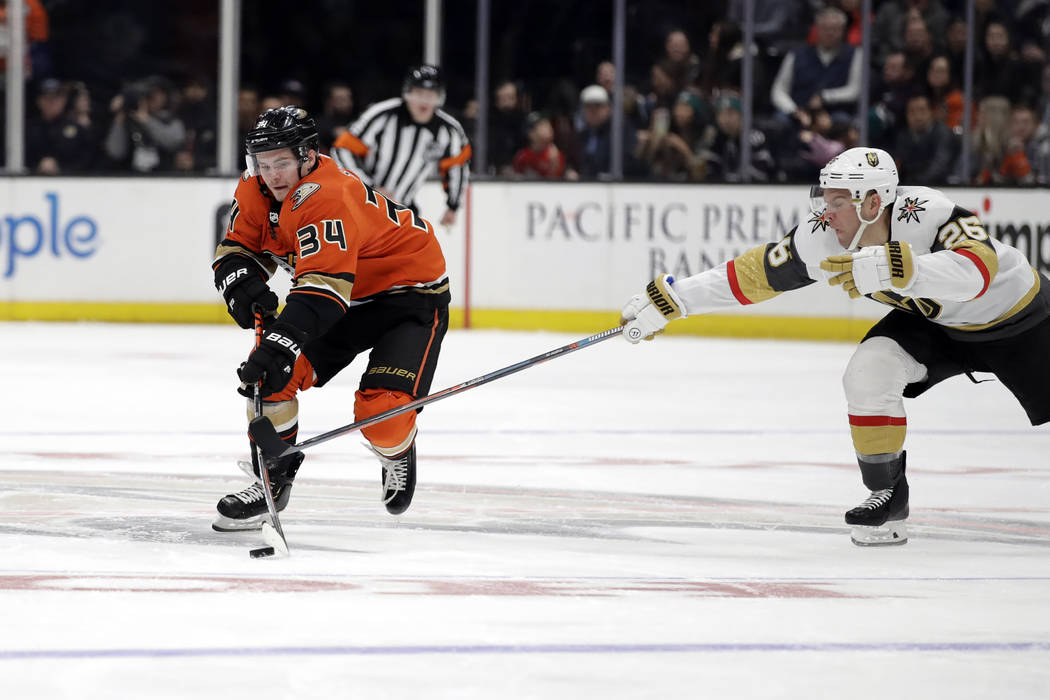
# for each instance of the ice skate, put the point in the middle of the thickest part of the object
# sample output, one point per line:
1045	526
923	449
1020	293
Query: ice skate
399	479
246	509
880	519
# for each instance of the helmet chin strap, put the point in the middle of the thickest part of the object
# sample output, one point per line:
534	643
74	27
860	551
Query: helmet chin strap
864	223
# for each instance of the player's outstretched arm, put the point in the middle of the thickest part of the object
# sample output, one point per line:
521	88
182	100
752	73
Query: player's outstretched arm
752	277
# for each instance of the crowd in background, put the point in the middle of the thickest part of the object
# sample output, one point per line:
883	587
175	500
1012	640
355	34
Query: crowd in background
682	120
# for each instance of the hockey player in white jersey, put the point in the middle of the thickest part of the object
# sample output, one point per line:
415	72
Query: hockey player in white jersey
961	302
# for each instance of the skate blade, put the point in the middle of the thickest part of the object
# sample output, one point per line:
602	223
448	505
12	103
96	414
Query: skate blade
224	524
890	534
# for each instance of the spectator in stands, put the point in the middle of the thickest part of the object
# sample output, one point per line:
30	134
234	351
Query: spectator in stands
81	110
723	70
1042	107
468	117
987	11
681	62
196	110
854	23
144	136
663	92
1028	149
1031	23
990	138
336	115
291	92
247	113
721	147
821	142
633	103
272	101
562	107
891	24
918	44
55	143
955	48
541	159
889	99
595	138
946	98
672	147
605	75
926	150
999	71
823	76
506	128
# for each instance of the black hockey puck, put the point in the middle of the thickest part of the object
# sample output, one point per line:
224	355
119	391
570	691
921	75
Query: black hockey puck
262	552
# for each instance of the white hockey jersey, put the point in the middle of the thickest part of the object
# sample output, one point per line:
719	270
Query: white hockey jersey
966	281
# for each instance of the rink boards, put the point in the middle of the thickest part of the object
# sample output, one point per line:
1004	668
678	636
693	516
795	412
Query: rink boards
525	255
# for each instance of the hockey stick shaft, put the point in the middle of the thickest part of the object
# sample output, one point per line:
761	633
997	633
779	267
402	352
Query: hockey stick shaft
264	473
266	437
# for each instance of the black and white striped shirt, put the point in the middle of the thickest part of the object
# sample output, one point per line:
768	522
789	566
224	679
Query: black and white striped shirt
387	149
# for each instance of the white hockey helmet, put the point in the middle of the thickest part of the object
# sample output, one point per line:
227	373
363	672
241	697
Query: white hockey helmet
859	170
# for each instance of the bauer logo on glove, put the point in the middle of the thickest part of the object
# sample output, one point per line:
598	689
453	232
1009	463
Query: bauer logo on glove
273	362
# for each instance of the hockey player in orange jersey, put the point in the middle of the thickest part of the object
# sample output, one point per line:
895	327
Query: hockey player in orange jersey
368	275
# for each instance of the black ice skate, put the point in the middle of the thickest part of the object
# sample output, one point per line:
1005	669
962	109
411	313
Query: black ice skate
399	480
880	519
246	509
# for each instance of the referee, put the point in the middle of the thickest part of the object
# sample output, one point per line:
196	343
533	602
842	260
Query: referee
397	143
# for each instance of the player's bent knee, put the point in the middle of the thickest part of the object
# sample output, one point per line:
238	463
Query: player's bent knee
394	434
878	372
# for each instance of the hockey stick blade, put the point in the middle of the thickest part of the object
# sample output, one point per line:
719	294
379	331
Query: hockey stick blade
266	438
275	539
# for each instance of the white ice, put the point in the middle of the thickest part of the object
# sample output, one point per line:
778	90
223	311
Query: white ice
660	521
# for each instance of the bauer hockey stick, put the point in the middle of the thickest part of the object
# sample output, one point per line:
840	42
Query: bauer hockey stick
266	437
272	532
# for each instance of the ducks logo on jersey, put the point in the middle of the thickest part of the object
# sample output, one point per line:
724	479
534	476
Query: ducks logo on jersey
304	191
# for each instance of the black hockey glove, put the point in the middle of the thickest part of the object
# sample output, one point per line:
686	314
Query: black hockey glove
242	284
273	361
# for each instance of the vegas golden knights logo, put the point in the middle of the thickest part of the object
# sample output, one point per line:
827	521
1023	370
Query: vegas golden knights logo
873	159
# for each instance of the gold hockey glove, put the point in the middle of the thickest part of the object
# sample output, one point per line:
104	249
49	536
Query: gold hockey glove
872	269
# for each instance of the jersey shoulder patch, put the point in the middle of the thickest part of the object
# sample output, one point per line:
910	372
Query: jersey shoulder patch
918	212
302	192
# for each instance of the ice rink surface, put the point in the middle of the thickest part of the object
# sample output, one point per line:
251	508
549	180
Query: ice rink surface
661	521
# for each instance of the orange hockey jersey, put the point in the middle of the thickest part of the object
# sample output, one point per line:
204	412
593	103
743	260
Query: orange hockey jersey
346	243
